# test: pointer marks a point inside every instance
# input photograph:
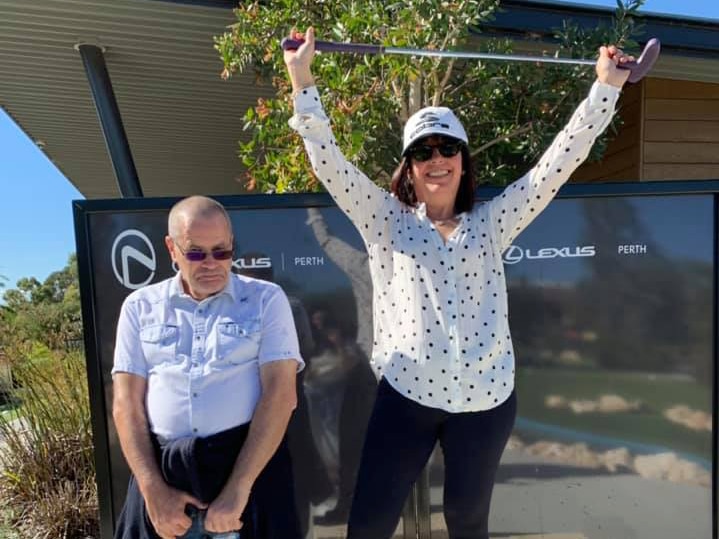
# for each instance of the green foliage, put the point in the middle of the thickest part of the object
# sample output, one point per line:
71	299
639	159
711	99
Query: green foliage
47	312
510	110
47	474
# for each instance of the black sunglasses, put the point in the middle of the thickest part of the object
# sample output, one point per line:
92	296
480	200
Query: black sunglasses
196	255
424	152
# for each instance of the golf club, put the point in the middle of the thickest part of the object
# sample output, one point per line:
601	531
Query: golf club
638	69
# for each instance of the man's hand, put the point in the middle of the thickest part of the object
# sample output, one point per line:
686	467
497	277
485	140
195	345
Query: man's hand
166	509
267	428
165	505
607	71
225	512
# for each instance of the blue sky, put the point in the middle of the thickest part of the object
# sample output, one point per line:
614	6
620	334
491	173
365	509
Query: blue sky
35	211
36	228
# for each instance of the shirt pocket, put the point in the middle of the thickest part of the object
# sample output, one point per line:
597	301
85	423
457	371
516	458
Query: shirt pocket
237	342
159	343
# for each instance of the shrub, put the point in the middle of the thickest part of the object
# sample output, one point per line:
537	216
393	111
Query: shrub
47	481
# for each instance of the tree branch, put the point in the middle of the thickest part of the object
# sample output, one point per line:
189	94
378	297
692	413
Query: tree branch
519	131
442	85
414	102
451	38
399	94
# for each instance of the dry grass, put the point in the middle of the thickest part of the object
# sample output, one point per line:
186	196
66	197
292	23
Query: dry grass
48	476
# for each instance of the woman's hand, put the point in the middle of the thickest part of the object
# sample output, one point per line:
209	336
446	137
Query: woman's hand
298	61
607	71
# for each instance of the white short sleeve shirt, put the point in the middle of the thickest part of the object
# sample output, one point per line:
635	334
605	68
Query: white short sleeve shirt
202	359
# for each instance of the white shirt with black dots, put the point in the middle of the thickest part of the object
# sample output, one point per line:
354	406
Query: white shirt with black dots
441	331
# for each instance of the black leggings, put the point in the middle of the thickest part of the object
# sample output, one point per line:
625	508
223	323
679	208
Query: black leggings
400	439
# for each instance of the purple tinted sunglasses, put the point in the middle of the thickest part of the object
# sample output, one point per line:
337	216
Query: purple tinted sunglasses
196	255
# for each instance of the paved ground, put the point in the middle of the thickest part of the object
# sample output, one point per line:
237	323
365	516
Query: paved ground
535	499
532	496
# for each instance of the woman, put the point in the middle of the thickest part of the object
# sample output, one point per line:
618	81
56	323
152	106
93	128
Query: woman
441	336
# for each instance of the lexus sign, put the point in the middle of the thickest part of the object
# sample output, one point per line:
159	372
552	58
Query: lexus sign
516	254
133	246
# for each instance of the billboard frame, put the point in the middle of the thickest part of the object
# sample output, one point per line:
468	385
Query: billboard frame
98	407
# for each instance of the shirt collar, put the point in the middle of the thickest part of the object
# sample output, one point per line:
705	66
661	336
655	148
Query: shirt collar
421	211
176	289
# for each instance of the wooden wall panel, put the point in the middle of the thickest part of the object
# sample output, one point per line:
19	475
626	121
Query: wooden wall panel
624	161
677	152
682	109
670	89
681	172
680	130
627	137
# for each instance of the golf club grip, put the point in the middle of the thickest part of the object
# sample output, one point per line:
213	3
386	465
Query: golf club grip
333	46
645	62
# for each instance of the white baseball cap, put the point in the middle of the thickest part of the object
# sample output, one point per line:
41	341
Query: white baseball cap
432	121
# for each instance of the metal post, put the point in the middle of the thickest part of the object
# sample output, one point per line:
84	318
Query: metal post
409	516
110	120
424	504
95	386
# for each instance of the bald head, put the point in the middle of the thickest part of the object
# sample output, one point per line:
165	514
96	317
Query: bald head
192	209
201	225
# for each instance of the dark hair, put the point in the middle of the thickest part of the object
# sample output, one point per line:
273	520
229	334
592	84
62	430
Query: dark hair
403	188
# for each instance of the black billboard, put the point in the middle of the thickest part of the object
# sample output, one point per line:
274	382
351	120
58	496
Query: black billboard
612	294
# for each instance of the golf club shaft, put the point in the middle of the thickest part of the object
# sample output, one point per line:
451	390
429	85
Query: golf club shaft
486	56
638	69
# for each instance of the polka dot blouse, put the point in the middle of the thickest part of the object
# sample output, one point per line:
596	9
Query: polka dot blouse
441	332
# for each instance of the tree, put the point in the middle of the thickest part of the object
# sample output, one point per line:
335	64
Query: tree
47	312
510	110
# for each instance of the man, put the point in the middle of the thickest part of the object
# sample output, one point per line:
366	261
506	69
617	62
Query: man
204	386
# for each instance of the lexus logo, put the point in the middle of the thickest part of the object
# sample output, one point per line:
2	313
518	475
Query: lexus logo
515	253
124	249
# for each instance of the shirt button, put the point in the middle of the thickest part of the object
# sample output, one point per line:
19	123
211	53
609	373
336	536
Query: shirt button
194	430
194	394
197	337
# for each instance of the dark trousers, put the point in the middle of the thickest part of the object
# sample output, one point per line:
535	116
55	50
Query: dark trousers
201	467
400	439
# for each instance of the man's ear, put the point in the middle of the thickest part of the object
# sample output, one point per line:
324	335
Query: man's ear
170	247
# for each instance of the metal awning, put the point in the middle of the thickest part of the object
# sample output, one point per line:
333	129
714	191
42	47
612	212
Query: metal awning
182	121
